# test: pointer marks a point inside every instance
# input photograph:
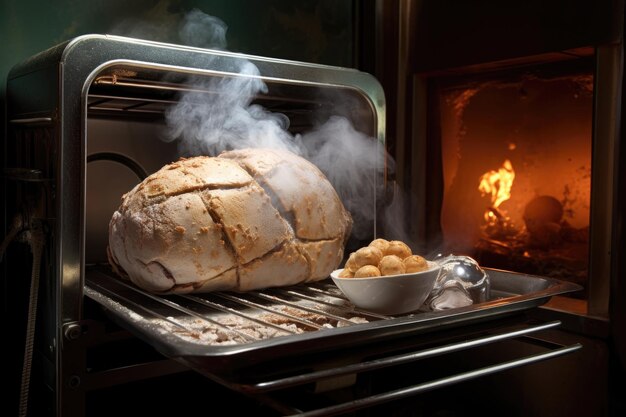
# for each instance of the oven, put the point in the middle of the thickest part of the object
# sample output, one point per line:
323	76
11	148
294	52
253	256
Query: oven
85	123
508	118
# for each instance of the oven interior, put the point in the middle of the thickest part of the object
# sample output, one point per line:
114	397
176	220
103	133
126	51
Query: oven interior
126	126
516	155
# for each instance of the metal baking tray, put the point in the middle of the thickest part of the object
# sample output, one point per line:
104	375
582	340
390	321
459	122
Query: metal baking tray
218	331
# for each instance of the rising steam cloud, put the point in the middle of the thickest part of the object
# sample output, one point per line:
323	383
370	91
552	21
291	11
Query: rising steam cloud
224	119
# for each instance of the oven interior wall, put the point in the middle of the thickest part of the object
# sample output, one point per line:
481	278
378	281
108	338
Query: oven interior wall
108	180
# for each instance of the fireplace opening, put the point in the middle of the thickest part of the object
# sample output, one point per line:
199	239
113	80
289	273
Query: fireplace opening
516	157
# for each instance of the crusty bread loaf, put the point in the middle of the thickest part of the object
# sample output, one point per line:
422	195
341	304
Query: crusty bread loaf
247	219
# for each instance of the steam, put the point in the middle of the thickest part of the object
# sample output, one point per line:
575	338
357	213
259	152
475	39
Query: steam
204	31
352	161
224	118
217	114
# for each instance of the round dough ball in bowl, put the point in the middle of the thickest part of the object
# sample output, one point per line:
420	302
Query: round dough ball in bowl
389	294
415	263
398	248
382	244
391	265
368	255
367	271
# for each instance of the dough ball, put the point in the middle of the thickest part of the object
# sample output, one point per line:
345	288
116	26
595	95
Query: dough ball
415	263
368	255
367	271
391	265
346	273
381	244
398	248
351	263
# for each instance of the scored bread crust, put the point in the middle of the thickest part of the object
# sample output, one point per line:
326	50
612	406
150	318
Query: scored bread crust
247	219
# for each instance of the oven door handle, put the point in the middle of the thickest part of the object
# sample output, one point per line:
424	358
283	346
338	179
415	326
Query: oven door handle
434	384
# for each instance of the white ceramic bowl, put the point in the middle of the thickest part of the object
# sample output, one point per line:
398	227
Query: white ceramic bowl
390	294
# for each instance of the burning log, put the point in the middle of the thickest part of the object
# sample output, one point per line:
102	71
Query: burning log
542	217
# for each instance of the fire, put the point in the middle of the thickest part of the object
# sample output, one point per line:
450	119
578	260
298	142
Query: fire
498	184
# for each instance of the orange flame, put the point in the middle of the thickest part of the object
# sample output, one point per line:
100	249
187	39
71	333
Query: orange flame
498	183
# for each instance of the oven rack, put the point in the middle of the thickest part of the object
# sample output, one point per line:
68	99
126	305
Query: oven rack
227	330
239	318
280	382
115	95
276	393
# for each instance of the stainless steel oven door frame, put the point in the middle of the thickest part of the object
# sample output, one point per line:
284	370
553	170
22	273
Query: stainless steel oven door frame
53	86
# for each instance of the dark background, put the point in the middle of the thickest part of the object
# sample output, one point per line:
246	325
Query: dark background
319	31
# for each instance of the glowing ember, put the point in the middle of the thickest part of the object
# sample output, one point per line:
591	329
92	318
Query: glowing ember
498	184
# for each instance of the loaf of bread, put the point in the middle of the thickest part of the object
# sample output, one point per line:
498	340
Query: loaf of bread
247	219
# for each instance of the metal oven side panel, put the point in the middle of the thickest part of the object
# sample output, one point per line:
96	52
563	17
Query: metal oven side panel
30	171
